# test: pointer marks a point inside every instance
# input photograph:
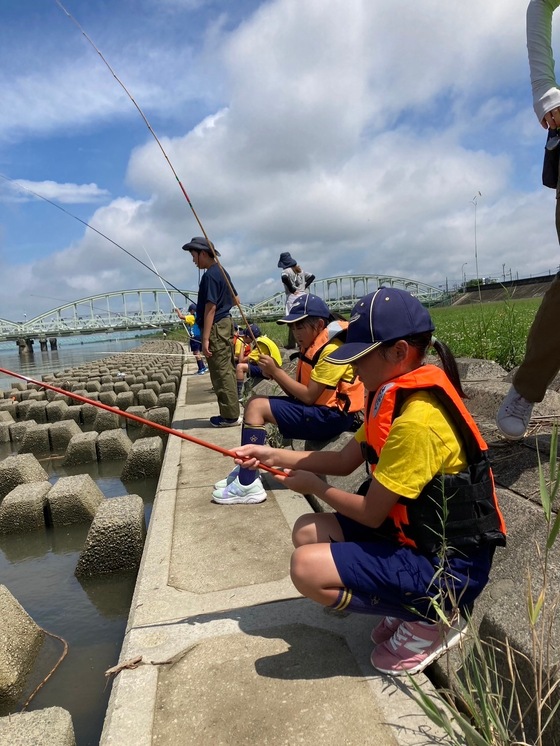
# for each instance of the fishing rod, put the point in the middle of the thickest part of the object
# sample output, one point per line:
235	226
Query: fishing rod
136	418
99	233
156	138
173	306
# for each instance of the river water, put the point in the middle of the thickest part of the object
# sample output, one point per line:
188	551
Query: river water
38	569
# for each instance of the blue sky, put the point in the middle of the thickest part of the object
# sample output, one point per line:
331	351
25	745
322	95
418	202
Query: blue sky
353	133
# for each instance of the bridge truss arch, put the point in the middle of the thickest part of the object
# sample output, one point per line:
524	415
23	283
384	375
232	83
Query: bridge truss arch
153	308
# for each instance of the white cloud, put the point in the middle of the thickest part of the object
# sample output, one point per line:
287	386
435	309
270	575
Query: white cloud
353	133
63	193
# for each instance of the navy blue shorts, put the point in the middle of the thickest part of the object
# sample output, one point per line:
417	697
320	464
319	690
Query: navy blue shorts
253	371
399	579
196	345
308	422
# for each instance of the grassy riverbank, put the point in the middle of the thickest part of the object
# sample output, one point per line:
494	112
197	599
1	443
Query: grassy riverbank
491	331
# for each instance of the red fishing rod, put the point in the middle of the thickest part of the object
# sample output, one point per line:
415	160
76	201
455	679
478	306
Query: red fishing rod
136	418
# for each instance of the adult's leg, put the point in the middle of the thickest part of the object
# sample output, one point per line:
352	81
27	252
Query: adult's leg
222	369
542	354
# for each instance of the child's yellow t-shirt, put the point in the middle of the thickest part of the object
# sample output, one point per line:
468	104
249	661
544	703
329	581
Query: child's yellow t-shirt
422	443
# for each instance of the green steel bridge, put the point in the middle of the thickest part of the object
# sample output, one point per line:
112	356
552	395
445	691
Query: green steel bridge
151	308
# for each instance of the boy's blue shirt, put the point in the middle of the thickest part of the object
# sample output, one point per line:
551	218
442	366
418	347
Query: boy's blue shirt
213	289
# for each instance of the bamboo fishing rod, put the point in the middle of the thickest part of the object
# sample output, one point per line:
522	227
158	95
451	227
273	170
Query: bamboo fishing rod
214	253
136	418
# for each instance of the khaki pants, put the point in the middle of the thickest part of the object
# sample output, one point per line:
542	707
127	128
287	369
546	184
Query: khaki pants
542	353
222	368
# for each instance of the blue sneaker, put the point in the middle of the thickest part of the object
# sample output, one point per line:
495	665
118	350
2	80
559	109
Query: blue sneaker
220	421
202	371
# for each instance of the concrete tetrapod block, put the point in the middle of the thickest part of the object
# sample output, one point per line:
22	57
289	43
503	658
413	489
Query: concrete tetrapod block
125	399
62	433
36	440
10	407
6	417
144	460
147	398
18	430
132	425
115	539
19	469
20	640
168	401
106	421
4	432
108	397
82	449
159	415
113	445
49	727
37	411
56	410
74	500
23	509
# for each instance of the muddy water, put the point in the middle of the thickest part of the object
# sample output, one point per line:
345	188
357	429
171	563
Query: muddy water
38	569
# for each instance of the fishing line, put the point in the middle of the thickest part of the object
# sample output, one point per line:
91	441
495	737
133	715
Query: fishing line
152	132
173	306
99	233
136	418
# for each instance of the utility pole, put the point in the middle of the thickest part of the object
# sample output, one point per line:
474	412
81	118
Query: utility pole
475	203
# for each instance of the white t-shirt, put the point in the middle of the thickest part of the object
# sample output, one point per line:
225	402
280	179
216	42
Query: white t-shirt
546	95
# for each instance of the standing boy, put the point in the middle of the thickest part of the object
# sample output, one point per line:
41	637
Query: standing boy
213	317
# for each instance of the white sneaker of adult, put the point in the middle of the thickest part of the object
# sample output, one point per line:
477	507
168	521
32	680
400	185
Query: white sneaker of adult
227	480
235	492
514	415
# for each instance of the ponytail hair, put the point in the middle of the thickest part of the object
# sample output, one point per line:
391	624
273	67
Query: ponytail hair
422	342
449	365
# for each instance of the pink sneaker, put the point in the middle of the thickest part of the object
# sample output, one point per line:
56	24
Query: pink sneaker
415	645
385	629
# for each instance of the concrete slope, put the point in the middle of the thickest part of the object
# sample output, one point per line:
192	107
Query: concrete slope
231	654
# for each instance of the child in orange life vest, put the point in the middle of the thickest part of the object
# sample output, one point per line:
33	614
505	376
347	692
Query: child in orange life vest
248	362
319	404
389	550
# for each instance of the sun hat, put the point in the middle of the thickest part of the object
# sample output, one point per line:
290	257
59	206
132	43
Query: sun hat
286	261
306	305
383	316
199	243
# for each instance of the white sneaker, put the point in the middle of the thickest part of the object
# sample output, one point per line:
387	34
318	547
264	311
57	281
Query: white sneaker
240	493
227	480
514	415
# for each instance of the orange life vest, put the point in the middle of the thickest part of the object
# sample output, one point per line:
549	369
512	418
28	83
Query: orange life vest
348	396
458	509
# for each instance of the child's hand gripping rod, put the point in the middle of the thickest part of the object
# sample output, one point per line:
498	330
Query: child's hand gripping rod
136	418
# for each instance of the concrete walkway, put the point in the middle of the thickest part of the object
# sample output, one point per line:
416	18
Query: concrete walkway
231	654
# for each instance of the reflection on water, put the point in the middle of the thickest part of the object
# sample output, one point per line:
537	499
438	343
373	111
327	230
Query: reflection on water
69	355
38	569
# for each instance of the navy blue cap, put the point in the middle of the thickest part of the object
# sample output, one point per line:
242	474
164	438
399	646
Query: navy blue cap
199	243
383	316
306	305
255	330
